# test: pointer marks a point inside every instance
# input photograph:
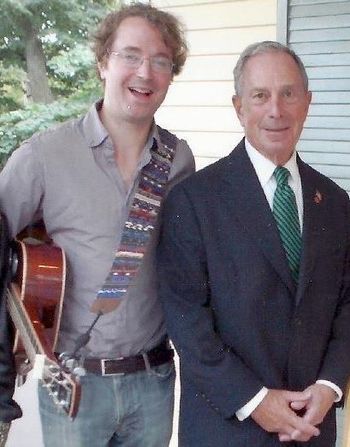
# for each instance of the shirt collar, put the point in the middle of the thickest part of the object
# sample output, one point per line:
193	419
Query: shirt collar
264	167
292	167
95	133
146	153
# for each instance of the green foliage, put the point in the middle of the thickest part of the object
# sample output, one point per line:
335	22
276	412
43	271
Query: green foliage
63	27
71	70
19	125
72	19
12	80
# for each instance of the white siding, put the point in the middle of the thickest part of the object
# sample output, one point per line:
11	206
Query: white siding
319	32
198	106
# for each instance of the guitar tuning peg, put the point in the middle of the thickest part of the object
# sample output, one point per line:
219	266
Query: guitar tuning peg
70	364
54	369
79	371
56	376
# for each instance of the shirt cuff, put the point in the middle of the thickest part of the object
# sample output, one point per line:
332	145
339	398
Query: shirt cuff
334	388
249	407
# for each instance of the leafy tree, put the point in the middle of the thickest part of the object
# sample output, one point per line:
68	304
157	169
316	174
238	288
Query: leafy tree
19	125
12	87
63	82
71	70
34	31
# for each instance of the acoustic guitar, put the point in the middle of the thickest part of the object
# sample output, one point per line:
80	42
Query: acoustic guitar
35	299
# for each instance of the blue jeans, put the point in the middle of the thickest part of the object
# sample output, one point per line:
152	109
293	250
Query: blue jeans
134	410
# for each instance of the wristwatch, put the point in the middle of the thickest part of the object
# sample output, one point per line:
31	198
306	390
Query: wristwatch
4	429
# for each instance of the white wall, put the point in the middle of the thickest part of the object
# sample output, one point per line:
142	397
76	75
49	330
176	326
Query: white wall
198	106
319	32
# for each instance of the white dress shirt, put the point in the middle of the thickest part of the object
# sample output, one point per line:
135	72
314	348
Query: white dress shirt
264	169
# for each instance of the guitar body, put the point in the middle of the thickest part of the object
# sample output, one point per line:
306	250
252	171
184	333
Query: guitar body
40	276
35	299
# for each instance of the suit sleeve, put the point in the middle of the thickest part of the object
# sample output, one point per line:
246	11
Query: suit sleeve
336	363
222	379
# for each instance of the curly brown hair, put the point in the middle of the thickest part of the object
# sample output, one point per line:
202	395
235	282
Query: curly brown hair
167	24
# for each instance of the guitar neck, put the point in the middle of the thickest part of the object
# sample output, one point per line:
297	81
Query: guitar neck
24	325
35	298
34	301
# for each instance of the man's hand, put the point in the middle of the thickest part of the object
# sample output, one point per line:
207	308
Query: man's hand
315	408
275	415
4	429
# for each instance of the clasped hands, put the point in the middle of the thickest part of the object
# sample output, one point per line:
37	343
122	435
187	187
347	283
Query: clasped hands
294	415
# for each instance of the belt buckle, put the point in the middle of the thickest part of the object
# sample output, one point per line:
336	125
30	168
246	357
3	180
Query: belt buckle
103	367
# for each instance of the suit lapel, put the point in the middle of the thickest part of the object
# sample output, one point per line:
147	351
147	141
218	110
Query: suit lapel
253	211
313	211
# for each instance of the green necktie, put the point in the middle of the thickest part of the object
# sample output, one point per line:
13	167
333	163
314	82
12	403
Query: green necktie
286	214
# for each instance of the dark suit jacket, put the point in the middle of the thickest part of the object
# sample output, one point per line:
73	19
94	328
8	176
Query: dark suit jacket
237	319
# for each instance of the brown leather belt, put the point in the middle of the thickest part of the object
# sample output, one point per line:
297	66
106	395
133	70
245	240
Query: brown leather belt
128	365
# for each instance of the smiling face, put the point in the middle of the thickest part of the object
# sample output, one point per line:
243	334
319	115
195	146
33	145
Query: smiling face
134	94
273	104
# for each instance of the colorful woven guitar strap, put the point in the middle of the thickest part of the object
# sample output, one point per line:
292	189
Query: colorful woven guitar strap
139	225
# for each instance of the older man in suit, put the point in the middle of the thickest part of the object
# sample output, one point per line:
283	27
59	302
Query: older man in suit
254	270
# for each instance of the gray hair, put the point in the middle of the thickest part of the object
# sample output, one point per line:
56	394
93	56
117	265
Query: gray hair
267	46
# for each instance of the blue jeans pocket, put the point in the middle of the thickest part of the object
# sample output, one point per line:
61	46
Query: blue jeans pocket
164	371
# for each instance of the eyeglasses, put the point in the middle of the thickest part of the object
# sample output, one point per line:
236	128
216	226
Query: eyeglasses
159	64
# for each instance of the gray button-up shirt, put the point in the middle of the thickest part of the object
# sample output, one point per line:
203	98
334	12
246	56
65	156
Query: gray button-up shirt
68	176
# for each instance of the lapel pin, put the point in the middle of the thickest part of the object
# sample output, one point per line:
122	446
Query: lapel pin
317	197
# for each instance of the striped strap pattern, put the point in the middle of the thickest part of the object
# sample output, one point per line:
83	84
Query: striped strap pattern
143	215
285	212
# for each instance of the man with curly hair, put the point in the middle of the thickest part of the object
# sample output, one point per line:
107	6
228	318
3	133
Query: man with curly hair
98	182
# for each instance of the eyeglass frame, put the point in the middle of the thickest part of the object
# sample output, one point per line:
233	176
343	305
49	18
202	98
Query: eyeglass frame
141	60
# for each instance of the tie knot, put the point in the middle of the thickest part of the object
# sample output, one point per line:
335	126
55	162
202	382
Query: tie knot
281	175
